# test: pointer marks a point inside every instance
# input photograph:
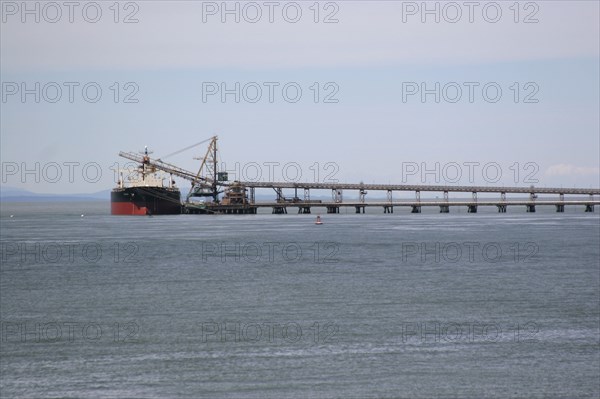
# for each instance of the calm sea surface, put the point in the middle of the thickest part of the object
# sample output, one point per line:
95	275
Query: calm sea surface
272	306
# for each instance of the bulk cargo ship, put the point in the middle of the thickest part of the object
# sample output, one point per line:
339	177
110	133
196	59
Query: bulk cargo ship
144	193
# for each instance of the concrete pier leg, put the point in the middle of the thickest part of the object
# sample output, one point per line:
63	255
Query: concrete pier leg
531	208
444	209
560	208
501	208
589	208
415	209
472	209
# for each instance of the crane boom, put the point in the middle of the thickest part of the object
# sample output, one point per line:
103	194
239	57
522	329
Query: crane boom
164	166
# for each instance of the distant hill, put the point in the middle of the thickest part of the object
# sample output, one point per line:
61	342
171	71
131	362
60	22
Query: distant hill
13	194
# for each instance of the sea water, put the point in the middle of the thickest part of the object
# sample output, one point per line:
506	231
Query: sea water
274	306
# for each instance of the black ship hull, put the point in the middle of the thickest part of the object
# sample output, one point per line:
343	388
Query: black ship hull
145	201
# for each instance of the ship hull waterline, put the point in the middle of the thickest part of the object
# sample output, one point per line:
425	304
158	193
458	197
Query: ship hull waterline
142	201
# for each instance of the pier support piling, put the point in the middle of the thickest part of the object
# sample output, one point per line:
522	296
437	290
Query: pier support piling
473	207
445	208
531	206
388	208
590	207
417	208
502	206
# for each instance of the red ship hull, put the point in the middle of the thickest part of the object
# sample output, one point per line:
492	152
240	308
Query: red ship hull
127	208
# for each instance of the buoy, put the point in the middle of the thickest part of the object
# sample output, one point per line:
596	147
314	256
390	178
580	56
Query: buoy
12	216
318	220
82	215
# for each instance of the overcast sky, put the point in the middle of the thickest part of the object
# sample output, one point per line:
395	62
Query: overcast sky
509	89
